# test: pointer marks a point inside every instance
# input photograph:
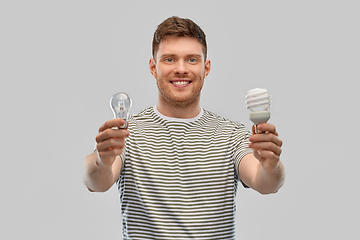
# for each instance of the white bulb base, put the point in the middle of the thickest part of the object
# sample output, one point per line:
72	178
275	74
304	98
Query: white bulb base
259	117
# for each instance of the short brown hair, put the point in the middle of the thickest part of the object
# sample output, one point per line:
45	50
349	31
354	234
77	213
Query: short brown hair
180	27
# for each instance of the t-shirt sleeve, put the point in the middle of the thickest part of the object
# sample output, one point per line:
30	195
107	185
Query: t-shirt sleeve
241	146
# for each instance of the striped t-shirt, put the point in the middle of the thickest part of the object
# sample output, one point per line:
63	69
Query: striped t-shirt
179	177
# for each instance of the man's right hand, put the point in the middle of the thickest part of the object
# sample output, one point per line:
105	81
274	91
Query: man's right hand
111	141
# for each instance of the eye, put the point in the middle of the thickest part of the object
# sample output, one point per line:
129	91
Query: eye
169	60
192	60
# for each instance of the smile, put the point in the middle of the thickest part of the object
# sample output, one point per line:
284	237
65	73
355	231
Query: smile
180	83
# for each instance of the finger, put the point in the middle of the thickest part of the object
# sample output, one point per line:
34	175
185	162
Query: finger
268	155
268	146
112	143
112	133
116	122
266	137
267	127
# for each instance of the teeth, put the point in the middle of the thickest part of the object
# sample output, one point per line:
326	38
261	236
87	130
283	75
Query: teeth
180	82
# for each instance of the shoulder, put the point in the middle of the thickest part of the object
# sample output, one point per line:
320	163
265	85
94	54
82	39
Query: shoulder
214	117
143	115
145	119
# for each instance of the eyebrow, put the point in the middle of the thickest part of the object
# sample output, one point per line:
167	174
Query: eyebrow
167	55
173	55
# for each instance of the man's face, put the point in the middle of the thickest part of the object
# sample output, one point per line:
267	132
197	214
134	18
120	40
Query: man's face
179	70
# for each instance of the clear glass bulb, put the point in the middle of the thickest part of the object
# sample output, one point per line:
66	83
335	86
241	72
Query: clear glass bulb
120	104
258	101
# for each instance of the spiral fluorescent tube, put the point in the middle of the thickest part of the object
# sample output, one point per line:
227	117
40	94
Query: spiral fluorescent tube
258	101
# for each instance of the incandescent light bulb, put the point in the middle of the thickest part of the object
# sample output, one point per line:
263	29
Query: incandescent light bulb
120	104
258	101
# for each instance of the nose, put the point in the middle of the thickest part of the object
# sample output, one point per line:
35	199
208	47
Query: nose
180	68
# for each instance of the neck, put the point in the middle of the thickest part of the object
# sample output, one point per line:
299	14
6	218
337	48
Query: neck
178	110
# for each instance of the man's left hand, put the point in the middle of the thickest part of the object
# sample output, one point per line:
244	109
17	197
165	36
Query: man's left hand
266	146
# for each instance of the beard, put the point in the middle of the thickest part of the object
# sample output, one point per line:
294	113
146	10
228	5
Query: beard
180	99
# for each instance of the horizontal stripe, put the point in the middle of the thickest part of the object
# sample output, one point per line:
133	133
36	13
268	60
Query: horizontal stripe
179	179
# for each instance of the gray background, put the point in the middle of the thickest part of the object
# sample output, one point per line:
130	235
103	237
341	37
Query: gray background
62	60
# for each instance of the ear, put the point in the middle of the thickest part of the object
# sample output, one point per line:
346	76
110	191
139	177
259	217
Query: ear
207	67
152	67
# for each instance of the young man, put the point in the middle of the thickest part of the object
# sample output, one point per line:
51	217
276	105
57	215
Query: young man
177	166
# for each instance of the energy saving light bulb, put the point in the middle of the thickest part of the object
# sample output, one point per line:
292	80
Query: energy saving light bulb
258	101
120	104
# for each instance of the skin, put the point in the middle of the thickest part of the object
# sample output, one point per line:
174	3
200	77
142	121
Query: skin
179	59
263	170
180	69
103	171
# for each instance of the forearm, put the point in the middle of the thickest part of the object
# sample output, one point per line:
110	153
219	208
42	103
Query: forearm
267	182
97	177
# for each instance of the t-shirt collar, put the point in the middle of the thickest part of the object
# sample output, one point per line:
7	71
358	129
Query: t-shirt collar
186	120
